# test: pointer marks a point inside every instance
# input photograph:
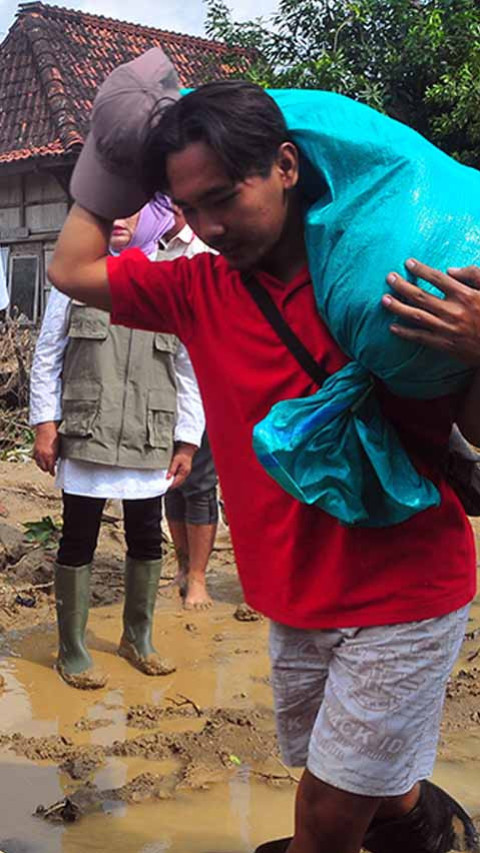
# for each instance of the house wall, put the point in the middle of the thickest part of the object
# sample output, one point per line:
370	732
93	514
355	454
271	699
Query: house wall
33	207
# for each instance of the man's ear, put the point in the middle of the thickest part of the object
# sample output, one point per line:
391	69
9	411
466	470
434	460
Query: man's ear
287	161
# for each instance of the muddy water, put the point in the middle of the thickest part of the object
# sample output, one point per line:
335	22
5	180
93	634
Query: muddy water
222	788
221	663
232	818
458	763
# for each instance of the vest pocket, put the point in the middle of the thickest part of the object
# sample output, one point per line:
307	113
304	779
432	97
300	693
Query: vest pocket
80	405
165	343
159	421
88	323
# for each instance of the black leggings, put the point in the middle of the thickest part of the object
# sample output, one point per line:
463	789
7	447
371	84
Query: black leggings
81	526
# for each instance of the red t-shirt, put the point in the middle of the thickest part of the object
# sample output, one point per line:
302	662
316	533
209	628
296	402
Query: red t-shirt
297	564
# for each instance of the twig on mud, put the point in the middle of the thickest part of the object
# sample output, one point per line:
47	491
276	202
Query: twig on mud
276	777
184	700
99	571
169	582
65	810
110	519
52	809
472	635
473	655
31	491
287	771
25	558
27	587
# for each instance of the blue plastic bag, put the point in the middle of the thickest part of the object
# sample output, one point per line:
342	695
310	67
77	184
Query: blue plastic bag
378	194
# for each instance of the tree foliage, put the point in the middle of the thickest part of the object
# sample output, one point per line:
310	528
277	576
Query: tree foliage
417	60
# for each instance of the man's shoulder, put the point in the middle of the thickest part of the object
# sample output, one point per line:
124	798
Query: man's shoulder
207	262
204	264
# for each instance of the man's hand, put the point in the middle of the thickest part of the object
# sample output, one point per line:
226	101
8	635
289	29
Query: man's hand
181	463
46	446
451	324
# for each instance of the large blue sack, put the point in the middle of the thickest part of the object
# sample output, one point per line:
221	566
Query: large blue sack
379	193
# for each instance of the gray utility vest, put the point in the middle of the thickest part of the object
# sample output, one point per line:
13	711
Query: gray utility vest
119	393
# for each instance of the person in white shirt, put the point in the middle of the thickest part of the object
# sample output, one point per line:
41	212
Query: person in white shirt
4	298
192	509
117	414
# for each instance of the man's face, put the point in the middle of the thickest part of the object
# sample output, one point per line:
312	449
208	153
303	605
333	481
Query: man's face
243	221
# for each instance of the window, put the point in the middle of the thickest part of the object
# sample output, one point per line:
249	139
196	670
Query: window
23	286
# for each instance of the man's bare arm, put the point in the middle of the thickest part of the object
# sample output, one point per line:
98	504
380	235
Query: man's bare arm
79	265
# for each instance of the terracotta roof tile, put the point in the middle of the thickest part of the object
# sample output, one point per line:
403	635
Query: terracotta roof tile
53	60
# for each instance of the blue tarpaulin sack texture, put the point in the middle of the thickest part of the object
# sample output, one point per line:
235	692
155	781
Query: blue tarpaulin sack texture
378	194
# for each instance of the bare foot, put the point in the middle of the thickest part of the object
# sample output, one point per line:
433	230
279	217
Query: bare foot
196	596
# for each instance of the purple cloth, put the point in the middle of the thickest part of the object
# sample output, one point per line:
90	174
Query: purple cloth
155	220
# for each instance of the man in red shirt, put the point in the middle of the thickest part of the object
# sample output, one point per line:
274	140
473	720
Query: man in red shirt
366	623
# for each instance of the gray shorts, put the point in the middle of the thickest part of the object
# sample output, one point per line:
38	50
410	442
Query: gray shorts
196	501
361	707
203	477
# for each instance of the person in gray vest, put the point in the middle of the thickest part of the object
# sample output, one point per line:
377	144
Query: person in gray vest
192	509
117	414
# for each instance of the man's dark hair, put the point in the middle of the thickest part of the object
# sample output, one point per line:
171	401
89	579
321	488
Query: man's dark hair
239	121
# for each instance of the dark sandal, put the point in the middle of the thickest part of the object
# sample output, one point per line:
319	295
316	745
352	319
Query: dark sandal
437	824
278	846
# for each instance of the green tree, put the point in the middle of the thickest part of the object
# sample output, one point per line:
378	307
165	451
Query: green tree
417	60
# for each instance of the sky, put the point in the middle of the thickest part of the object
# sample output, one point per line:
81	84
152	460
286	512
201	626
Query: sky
183	16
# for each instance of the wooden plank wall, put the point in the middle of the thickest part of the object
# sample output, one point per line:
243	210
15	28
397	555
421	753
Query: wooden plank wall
31	204
33	207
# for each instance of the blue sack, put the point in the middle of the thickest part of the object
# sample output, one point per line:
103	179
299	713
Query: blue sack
379	193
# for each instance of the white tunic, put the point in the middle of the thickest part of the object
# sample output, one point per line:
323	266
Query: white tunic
3	283
89	478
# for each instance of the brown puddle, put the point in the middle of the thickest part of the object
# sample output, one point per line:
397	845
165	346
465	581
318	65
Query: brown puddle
231	818
173	761
186	763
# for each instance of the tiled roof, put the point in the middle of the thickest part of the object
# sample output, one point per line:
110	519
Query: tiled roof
54	59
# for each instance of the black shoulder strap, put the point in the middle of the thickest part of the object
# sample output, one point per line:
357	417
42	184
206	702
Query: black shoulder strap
283	330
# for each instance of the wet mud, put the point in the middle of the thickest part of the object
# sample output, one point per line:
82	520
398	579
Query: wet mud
204	733
185	763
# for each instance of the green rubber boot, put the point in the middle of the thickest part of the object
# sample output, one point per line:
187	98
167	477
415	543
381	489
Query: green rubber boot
141	585
72	594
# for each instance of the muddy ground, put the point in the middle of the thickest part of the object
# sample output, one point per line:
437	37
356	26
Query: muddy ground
209	726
